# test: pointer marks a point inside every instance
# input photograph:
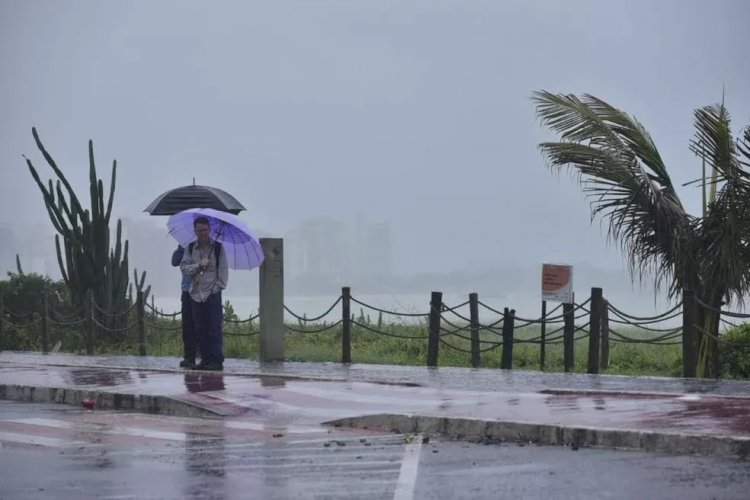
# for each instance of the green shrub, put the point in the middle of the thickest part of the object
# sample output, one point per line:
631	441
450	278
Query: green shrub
734	352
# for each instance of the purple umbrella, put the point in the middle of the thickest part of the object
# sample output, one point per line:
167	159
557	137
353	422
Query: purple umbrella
241	247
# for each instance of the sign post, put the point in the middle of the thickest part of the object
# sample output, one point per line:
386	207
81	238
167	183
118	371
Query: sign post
557	286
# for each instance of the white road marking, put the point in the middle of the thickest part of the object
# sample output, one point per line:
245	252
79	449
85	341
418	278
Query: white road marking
15	437
101	428
407	477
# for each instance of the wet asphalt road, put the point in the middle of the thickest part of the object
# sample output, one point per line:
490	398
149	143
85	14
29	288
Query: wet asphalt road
61	452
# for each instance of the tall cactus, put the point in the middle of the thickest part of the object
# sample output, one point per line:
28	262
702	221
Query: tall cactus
86	260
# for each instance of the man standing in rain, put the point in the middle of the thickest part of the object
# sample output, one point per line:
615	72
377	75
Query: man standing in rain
206	265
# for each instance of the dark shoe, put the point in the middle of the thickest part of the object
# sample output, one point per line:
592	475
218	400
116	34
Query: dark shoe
209	366
186	363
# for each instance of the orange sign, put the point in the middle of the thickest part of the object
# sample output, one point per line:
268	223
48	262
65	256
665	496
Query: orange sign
557	283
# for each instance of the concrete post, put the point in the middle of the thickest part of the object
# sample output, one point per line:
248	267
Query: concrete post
272	300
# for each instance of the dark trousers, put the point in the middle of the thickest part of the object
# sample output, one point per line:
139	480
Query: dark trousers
189	338
208	318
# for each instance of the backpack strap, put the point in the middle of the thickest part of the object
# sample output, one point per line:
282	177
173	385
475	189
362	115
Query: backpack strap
217	250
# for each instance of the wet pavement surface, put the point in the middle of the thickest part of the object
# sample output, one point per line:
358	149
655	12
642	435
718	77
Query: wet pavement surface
64	452
286	400
482	379
61	452
273	442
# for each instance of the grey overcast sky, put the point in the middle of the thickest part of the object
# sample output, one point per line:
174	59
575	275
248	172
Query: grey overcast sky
413	112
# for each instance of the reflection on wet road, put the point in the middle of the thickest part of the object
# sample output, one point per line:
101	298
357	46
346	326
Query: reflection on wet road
66	453
127	455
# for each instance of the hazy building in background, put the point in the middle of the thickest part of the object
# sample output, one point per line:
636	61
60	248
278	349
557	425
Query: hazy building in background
7	247
35	246
322	254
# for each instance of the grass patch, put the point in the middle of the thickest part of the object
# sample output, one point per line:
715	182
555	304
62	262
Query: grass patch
163	338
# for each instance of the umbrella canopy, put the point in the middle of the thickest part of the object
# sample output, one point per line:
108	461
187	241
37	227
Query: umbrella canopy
241	247
181	198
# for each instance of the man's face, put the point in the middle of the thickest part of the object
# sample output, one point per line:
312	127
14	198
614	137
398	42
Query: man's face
203	232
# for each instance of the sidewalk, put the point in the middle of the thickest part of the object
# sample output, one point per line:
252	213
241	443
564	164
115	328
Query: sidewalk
655	414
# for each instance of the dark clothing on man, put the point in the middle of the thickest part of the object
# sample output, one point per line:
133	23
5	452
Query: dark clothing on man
208	321
207	282
189	338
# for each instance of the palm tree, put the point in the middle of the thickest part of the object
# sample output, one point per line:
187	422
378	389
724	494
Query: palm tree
623	175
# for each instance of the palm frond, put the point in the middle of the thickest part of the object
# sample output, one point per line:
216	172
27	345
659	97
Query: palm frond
713	141
623	176
725	230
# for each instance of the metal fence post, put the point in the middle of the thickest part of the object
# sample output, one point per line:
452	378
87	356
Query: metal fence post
346	325
91	325
595	324
141	313
568	336
433	340
2	320
45	326
605	335
543	344
506	360
474	317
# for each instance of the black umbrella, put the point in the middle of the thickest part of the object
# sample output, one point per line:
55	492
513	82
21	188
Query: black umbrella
182	198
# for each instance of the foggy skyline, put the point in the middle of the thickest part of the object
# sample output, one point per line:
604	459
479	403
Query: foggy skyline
415	114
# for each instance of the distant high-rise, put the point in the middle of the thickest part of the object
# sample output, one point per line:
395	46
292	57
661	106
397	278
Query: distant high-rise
329	252
7	248
316	247
378	252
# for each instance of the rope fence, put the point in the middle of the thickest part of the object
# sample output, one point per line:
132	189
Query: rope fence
387	334
445	326
314	330
316	318
394	313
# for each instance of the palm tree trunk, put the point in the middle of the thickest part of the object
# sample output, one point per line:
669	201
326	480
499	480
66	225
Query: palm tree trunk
708	334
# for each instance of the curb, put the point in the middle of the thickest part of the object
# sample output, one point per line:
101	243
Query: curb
475	430
161	405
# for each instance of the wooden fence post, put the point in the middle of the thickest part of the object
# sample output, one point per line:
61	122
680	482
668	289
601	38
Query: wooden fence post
605	335
595	324
45	326
542	345
433	334
346	325
689	317
474	317
141	313
568	336
506	361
